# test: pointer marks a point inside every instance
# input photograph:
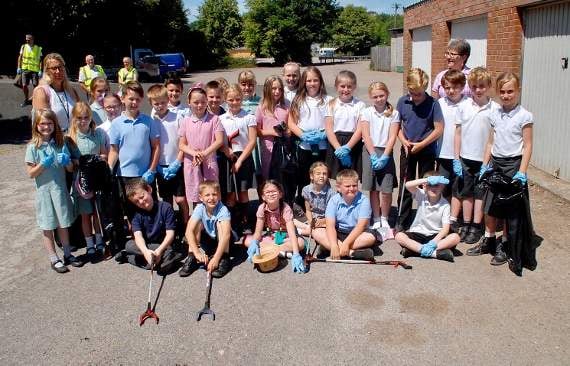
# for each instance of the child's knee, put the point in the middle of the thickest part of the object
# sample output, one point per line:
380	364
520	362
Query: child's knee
453	238
401	237
365	240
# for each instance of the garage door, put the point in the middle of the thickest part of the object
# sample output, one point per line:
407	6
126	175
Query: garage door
474	31
546	85
421	50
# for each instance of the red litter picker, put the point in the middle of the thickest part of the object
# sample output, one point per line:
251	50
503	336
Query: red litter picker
149	313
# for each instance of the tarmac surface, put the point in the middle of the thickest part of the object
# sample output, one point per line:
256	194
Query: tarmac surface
466	312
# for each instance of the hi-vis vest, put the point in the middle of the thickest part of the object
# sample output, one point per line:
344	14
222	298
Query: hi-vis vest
127	75
91	74
31	58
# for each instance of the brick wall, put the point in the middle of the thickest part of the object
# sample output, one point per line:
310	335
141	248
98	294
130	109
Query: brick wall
504	33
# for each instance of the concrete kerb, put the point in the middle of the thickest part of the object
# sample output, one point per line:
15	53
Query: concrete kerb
558	187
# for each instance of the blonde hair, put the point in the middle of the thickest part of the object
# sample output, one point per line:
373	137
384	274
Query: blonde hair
246	76
57	134
233	88
46	79
268	104
157	91
301	95
505	77
378	85
479	74
317	164
97	81
346	174
209	184
417	79
78	109
223	83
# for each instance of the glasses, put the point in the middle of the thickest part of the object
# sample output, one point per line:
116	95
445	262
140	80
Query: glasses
56	68
451	54
111	107
271	193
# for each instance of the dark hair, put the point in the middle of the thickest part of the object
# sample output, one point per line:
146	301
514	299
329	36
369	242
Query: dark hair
280	188
135	86
174	80
453	77
212	85
134	184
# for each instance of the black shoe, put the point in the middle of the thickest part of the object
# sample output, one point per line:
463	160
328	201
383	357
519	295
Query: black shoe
189	266
485	246
445	255
321	252
463	231
366	254
121	257
455	227
59	267
224	267
473	236
405	252
500	256
298	211
92	255
73	261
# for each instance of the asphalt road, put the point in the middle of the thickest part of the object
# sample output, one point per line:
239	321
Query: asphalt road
466	312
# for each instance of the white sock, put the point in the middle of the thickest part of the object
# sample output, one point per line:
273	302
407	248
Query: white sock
489	235
89	241
53	258
384	221
452	218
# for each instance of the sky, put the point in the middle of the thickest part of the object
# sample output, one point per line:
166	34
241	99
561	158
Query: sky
379	6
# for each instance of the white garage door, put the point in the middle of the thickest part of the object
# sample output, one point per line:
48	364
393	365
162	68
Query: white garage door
474	31
546	85
421	50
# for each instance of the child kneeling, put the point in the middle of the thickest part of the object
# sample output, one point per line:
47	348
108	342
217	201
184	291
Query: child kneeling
154	225
428	235
209	233
347	219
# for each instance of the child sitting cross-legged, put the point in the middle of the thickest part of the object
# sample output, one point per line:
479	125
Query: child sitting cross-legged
429	234
153	226
208	234
347	219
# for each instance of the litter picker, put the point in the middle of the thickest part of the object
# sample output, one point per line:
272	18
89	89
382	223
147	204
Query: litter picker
206	309
149	313
395	263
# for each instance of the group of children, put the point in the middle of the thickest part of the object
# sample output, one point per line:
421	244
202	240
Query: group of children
208	153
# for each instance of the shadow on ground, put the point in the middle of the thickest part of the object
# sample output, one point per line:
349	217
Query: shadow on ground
15	131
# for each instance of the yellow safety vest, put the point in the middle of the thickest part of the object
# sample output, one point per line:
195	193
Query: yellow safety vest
88	72
127	75
31	58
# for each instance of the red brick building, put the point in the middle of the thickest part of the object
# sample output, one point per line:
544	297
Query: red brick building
529	37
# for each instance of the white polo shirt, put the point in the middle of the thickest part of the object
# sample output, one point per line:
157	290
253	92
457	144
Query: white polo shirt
475	122
312	114
345	115
429	218
450	116
379	124
168	137
508	141
290	94
241	123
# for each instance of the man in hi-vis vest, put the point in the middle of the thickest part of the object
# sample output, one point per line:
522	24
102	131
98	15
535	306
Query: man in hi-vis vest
29	66
89	72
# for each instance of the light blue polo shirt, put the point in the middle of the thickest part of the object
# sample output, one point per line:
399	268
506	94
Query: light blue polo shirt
133	138
221	213
347	215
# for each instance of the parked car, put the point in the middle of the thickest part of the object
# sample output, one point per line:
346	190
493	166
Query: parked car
172	63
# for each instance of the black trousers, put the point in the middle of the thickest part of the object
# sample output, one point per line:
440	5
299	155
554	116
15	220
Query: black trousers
423	162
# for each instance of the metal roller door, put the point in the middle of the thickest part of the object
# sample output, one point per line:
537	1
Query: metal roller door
474	31
421	50
546	85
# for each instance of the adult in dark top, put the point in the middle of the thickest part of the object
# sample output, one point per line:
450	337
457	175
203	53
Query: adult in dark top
422	125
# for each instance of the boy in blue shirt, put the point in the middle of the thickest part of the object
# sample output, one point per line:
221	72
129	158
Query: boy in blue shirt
208	234
153	225
421	120
134	139
347	218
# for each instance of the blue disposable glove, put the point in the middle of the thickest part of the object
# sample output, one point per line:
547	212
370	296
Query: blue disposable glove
437	179
47	161
174	167
484	168
253	249
321	135
64	158
149	176
346	161
375	162
342	151
297	263
18	71
457	167
308	137
428	249
521	177
384	159
40	74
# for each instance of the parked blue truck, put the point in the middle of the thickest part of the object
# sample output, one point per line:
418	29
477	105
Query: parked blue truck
172	64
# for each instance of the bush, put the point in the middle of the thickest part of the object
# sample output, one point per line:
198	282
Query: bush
238	62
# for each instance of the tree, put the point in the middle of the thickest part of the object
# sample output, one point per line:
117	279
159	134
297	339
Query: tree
354	30
285	29
222	25
382	24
